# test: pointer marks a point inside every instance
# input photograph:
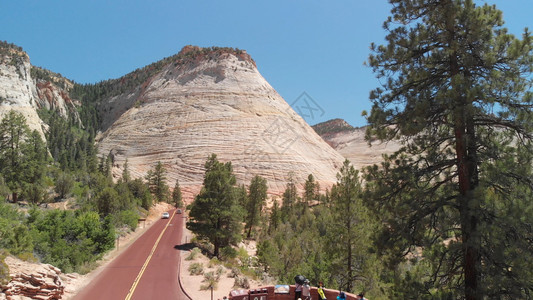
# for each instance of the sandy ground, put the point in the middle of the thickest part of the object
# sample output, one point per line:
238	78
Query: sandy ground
191	283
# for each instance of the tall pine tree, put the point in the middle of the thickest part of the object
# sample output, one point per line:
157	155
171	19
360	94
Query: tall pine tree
215	213
457	93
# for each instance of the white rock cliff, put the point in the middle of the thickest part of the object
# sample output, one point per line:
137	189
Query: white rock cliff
215	102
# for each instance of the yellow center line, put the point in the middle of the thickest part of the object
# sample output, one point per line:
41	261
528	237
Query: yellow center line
136	282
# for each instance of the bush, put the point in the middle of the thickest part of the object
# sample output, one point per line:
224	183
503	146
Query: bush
4	269
241	282
211	281
129	218
196	269
220	271
213	262
193	254
234	273
228	253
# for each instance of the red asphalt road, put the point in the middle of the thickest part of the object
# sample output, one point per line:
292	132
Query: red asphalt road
160	278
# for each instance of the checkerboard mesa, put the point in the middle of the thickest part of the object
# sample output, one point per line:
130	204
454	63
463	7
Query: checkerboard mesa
212	100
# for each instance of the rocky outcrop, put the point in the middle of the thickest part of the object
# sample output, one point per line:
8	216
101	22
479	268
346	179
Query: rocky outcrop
350	142
53	93
17	90
25	89
32	281
212	101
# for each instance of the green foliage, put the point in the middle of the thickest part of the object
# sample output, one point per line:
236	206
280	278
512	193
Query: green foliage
215	214
463	111
69	240
129	218
64	185
4	268
210	281
22	155
141	192
176	195
228	253
196	268
289	199
241	282
71	146
14	235
213	262
193	254
156	178
255	202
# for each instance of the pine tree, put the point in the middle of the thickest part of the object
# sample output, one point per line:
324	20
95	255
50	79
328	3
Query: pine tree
176	195
13	132
215	213
289	199
157	180
126	177
256	200
457	93
345	229
311	188
275	217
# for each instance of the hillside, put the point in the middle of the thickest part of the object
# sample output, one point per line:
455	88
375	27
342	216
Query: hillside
350	143
212	100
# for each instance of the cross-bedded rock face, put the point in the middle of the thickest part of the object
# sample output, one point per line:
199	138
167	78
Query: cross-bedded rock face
207	103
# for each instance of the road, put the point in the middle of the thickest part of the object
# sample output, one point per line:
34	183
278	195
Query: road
148	269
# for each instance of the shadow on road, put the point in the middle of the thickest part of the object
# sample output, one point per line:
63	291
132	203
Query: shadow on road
186	247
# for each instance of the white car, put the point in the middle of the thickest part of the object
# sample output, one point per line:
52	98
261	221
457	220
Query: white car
165	215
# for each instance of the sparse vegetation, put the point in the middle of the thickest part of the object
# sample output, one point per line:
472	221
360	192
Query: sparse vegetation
196	268
193	254
4	269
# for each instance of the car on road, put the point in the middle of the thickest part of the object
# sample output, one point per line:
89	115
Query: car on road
178	211
165	215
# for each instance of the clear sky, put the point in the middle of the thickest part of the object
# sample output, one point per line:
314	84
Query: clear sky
312	46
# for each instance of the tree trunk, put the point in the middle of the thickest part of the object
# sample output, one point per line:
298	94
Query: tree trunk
464	143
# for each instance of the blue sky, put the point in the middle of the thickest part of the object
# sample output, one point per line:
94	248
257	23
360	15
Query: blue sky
311	46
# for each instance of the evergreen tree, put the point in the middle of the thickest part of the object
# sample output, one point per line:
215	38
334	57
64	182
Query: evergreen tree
289	199
345	231
13	132
275	217
457	93
126	177
311	188
157	181
141	192
256	200
215	213
4	189
176	195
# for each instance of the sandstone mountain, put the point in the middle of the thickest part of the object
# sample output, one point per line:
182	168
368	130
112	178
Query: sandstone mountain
212	100
178	111
25	88
350	143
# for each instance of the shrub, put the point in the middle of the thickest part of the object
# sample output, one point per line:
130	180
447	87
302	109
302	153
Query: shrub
228	253
129	218
213	262
241	282
220	271
196	269
193	254
4	269
210	280
234	273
